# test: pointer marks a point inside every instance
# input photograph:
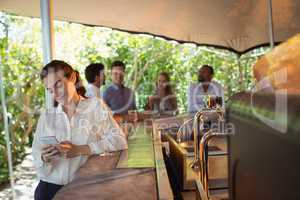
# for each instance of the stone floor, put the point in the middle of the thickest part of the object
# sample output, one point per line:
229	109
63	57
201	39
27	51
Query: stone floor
25	182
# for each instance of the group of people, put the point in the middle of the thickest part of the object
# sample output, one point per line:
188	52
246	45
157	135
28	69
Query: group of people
82	122
120	98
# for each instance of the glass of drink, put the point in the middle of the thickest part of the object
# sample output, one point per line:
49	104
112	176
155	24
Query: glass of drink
133	115
219	101
206	101
212	101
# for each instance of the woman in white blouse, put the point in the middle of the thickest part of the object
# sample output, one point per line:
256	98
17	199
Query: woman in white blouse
82	127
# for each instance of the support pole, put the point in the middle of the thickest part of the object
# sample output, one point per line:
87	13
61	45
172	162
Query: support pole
48	41
5	119
241	73
271	25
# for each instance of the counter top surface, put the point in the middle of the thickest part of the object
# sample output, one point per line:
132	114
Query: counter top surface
128	174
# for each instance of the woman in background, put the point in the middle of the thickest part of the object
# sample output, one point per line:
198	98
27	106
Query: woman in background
163	99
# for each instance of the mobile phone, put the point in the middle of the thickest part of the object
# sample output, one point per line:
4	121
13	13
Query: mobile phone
48	140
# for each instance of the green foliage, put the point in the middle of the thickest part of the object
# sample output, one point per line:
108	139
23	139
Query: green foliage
21	62
144	55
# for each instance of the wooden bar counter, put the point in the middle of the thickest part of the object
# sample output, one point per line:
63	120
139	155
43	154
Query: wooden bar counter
137	173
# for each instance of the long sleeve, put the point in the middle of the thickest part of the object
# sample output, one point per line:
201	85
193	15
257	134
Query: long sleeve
110	136
92	125
37	147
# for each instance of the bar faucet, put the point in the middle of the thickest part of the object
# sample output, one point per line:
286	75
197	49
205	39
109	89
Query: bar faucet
180	131
200	118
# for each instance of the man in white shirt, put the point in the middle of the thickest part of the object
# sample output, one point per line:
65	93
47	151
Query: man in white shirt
94	74
205	86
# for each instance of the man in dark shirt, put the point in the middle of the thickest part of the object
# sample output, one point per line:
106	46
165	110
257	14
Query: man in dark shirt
118	97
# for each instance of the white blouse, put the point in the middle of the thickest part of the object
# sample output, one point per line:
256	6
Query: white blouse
92	124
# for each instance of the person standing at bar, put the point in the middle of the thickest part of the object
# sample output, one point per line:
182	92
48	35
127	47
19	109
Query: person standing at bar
119	98
94	74
163	100
205	86
66	135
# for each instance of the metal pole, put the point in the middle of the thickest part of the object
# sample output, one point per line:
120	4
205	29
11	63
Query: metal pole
241	74
271	27
48	44
6	125
47	30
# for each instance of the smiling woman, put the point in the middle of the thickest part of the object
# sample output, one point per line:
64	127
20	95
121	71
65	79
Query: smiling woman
59	78
81	126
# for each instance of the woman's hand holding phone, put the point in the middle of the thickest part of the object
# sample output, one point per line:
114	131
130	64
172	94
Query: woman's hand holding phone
70	150
49	151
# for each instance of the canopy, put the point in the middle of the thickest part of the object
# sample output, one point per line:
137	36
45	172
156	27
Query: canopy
238	25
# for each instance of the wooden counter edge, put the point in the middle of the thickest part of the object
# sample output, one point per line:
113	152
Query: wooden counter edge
163	184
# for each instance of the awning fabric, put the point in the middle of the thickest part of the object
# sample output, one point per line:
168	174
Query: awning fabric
238	25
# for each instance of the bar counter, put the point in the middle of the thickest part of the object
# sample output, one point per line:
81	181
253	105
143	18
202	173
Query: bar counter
137	173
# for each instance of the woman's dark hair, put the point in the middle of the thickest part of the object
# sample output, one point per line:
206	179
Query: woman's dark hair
55	66
59	65
118	63
168	88
79	86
